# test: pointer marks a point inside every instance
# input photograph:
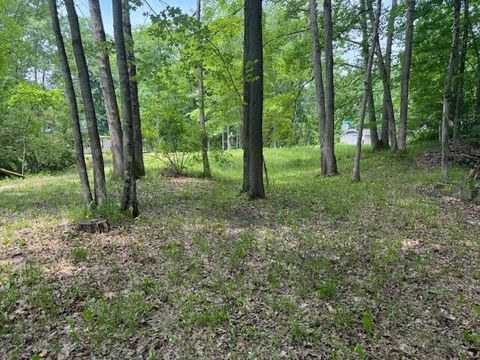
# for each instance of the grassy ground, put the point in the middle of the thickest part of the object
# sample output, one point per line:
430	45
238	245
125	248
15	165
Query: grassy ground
324	268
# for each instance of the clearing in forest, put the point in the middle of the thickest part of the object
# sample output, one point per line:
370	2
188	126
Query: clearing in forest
323	268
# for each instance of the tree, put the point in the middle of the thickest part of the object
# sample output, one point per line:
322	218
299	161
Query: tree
330	160
404	82
447	95
366	91
72	101
100	187
459	96
387	90
129	198
370	99
388	61
132	72
201	106
253	50
318	77
108	90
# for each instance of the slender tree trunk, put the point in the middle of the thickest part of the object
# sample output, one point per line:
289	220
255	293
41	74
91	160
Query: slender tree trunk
404	83
388	60
201	107
72	101
447	97
368	74
129	198
245	106
254	79
371	102
245	140
132	70
88	105
459	102
329	146
477	70
24	153
318	77
387	93
108	89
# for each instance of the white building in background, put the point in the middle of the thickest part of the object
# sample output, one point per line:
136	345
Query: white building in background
105	142
349	136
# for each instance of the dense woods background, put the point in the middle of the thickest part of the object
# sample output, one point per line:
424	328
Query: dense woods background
171	46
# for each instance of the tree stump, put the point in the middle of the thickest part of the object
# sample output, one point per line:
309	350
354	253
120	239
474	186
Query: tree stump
93	226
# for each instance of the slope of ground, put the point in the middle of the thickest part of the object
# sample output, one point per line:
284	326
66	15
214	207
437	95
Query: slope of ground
324	268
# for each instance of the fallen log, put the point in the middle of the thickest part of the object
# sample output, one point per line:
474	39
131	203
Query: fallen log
11	173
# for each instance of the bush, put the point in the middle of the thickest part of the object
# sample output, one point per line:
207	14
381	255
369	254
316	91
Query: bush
50	152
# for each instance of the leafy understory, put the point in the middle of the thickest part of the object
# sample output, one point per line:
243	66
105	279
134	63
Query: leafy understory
324	268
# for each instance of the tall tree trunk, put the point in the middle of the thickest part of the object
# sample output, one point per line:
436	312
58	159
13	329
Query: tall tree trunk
254	74
100	187
132	70
447	97
388	61
129	198
406	65
245	122
329	146
368	74
72	101
108	90
387	93
371	102
459	97
477	70
201	107
318	77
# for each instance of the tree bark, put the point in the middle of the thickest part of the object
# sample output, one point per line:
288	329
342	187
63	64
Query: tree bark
108	89
129	198
254	79
447	97
72	101
459	97
132	70
201	107
387	93
404	82
100	187
477	71
375	142
388	60
245	122
331	162
368	74
318	77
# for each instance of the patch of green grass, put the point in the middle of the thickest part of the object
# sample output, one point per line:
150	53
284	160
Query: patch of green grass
110	211
115	319
472	337
197	309
367	322
327	290
79	254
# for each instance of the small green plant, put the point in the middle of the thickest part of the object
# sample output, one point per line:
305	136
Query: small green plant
472	337
174	251
298	332
79	254
367	322
222	159
327	290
